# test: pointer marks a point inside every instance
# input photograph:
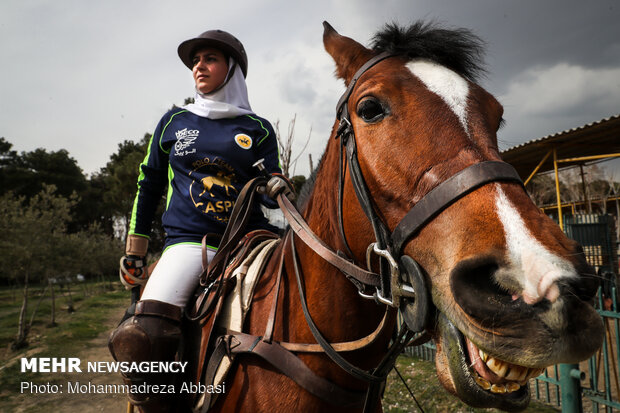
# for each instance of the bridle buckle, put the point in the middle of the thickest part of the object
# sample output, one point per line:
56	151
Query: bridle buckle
398	289
344	127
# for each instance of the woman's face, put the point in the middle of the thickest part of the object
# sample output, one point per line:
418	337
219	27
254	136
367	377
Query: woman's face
210	68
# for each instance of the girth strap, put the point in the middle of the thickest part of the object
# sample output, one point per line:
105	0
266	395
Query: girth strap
448	192
287	363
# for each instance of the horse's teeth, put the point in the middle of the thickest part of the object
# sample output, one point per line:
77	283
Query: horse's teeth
517	373
511	386
516	376
483	383
508	387
497	366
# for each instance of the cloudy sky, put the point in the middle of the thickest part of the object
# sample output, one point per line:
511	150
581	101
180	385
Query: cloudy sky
86	75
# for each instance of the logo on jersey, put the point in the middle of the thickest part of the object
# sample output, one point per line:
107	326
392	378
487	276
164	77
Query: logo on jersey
185	139
212	189
243	140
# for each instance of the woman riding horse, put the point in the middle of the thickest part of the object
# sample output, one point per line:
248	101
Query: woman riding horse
410	209
201	156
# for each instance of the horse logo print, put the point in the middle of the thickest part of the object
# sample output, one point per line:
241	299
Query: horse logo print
221	179
243	140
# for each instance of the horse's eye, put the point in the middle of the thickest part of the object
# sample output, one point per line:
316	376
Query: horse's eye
370	110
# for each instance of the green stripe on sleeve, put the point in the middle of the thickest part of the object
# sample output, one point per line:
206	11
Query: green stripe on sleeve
262	126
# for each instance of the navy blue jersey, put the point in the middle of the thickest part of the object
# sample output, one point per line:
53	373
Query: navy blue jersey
202	164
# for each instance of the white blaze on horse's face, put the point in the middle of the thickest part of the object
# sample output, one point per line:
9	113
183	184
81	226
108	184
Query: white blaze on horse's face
539	267
445	83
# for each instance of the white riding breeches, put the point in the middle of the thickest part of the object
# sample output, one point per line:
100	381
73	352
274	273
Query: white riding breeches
176	275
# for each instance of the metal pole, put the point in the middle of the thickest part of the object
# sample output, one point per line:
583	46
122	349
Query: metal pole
570	377
585	192
557	188
590	158
529	178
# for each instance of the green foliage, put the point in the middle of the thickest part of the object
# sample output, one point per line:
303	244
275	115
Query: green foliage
36	241
119	178
298	181
8	165
25	174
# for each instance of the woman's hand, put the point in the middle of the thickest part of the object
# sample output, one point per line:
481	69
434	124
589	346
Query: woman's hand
277	184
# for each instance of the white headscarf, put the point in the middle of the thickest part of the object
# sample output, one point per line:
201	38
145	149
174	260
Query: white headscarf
228	101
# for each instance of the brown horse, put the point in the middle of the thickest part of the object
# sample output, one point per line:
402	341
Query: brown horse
510	293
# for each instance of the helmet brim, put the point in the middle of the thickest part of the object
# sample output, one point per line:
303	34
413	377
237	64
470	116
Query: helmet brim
188	48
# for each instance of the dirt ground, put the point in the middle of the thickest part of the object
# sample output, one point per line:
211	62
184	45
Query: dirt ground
95	350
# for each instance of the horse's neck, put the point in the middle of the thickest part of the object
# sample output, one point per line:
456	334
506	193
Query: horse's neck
321	210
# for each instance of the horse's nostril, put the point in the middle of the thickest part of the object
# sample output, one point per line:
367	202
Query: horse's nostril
585	287
481	295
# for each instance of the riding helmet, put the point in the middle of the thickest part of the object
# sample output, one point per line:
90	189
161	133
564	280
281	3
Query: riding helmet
218	39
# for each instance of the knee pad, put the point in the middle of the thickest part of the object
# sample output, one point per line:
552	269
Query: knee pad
151	334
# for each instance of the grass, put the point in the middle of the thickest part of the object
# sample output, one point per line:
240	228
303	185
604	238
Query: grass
11	300
71	334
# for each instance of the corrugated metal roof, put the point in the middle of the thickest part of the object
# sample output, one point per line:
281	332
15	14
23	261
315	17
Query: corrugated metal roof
596	138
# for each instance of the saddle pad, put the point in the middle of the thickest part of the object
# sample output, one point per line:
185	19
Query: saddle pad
239	300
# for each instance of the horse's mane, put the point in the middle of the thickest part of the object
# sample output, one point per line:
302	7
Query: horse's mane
457	49
308	186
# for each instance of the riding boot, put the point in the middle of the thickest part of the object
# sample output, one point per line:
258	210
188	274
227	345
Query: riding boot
153	333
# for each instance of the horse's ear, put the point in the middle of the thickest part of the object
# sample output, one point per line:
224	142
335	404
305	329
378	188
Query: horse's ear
348	54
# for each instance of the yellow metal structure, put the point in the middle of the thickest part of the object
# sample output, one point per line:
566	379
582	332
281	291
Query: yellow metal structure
589	143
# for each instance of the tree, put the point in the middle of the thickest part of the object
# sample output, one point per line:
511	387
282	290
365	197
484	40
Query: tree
298	182
26	173
542	190
8	165
39	167
119	177
91	209
285	146
38	222
7	156
37	246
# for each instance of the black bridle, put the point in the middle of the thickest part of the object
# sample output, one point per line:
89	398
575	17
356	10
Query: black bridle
402	283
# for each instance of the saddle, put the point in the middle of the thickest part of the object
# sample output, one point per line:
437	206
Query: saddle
225	308
227	285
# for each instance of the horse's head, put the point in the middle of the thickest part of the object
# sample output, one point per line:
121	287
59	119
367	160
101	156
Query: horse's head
513	294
